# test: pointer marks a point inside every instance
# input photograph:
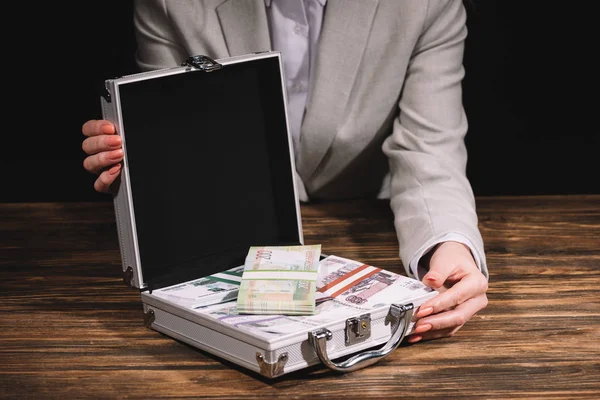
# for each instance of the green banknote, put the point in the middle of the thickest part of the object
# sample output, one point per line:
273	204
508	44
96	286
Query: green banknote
279	280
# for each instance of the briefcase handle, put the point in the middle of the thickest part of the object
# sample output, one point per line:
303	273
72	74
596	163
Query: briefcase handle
400	316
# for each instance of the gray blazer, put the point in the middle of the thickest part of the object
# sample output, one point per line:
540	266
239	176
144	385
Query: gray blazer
385	109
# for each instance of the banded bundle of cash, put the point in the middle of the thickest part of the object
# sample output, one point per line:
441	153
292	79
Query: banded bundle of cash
279	280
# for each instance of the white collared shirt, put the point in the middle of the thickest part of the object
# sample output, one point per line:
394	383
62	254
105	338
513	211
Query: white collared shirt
294	26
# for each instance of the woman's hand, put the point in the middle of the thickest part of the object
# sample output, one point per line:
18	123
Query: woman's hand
104	152
462	287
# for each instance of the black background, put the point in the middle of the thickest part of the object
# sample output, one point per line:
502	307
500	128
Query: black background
530	93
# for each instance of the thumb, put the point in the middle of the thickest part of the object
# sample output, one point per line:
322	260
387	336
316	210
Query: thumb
438	273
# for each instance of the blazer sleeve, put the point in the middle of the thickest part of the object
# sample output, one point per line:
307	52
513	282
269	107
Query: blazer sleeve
430	194
157	39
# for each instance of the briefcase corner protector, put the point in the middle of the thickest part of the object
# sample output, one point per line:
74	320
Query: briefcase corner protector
271	369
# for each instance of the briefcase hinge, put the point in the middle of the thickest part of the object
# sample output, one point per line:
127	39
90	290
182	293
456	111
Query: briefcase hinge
202	63
128	277
358	329
149	318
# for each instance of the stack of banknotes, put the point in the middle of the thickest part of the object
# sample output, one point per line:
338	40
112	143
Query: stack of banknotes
213	289
279	280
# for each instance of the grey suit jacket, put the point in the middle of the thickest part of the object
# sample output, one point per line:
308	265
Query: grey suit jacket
385	109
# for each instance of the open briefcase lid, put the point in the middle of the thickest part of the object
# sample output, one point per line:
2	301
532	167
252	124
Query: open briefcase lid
208	167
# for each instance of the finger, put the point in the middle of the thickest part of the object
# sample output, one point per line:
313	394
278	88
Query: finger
96	144
414	338
106	178
434	335
451	318
448	260
97	127
436	277
97	162
471	285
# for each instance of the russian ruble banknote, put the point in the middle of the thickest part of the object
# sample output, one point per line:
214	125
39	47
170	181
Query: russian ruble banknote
279	280
213	289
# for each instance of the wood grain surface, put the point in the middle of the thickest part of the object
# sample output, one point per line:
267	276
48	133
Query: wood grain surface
70	329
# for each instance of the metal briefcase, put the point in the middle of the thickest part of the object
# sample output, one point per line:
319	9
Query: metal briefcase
208	172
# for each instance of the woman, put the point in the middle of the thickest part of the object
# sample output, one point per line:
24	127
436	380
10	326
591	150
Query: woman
375	109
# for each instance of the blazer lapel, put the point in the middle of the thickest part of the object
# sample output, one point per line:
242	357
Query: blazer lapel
244	25
344	35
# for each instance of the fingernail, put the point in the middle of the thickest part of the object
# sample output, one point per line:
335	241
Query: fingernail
113	141
116	154
424	312
422	328
107	129
414	338
114	169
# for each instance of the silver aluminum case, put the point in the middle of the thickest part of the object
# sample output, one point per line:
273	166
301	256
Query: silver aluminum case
268	358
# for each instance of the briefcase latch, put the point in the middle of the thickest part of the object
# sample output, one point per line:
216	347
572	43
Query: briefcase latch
358	329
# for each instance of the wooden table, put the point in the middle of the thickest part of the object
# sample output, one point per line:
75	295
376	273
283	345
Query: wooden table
69	328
